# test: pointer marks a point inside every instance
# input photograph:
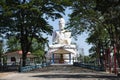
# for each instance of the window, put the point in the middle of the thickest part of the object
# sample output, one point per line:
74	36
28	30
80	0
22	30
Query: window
13	59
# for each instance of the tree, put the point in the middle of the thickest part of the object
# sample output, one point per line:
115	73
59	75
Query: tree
111	12
13	44
83	16
27	19
86	59
38	48
87	19
96	16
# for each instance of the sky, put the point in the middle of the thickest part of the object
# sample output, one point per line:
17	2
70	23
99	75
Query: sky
81	38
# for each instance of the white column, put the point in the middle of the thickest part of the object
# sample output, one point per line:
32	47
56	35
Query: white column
70	58
53	58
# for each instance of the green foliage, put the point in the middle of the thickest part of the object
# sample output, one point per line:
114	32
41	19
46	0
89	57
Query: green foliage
39	53
101	19
27	19
80	58
13	44
83	16
86	59
37	48
110	9
88	16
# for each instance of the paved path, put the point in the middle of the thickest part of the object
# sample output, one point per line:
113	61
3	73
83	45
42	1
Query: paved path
61	73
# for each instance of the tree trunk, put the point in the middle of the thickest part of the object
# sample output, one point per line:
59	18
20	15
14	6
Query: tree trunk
0	57
118	59
25	48
117	46
24	38
25	45
24	57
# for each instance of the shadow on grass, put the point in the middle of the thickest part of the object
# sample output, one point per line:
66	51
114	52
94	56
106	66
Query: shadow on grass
108	77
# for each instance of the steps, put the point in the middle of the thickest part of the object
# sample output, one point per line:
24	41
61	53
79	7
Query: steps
63	68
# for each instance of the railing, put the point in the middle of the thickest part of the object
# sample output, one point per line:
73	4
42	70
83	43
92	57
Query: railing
8	68
32	67
89	66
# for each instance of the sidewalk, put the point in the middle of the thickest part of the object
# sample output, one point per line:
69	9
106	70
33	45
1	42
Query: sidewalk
60	73
4	74
59	76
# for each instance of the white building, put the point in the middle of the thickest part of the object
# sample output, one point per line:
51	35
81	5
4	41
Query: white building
13	58
62	51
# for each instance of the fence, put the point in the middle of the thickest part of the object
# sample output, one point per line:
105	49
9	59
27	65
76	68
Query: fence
8	68
88	66
32	67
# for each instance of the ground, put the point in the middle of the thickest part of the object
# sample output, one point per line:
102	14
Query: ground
59	72
4	74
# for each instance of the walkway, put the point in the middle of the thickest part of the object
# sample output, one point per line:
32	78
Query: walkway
60	72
